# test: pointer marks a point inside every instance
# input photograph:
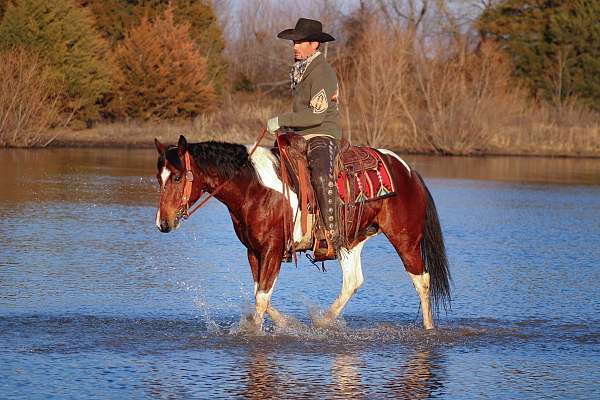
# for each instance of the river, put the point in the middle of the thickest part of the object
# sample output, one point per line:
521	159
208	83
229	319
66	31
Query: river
95	302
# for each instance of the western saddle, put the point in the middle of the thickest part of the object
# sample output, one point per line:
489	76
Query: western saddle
295	174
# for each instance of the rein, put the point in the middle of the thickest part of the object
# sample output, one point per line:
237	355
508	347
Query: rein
288	220
189	178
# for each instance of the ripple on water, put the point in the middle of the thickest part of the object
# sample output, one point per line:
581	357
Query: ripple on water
76	333
394	355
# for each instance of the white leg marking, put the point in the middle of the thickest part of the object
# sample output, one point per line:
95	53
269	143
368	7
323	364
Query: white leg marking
264	164
391	153
262	300
421	283
352	277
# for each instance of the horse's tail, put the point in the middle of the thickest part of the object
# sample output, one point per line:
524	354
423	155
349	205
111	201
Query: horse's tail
433	252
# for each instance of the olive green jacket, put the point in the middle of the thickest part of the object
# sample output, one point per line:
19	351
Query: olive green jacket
315	104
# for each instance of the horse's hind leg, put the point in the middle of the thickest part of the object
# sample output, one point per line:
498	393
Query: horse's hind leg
352	280
421	282
415	268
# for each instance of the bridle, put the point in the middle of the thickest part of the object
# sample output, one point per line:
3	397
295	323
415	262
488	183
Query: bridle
187	188
189	179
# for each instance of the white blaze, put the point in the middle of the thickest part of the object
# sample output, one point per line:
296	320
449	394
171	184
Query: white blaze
164	176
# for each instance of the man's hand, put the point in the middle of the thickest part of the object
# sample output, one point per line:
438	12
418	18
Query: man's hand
273	125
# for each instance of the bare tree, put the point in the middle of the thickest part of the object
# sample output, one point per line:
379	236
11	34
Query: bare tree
403	15
378	86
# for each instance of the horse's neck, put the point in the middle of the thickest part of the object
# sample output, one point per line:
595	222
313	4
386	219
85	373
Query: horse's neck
233	192
236	182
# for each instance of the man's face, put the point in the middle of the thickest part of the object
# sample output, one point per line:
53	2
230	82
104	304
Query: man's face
303	49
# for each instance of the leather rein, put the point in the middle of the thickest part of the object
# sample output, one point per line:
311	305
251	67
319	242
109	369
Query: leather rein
189	179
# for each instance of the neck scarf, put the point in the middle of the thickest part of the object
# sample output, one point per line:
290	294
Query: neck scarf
299	67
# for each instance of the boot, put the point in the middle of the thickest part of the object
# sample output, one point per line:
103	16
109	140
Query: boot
321	155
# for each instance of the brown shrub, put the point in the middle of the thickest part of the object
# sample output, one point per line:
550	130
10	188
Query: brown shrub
28	100
163	75
377	88
466	98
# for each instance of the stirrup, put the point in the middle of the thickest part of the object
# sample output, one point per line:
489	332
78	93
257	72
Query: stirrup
324	251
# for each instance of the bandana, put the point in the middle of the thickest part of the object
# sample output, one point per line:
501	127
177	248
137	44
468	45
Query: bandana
298	69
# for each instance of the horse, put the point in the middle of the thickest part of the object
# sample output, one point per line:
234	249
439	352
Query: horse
244	178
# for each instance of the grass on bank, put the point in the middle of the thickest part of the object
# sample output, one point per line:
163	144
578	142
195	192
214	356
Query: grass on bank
242	117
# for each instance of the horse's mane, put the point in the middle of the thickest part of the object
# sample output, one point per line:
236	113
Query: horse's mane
224	158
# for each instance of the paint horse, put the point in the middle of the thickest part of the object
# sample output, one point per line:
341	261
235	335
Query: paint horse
249	185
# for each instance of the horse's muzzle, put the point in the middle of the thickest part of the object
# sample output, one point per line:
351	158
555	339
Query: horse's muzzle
164	227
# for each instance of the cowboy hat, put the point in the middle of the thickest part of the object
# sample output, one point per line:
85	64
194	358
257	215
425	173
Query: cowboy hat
308	30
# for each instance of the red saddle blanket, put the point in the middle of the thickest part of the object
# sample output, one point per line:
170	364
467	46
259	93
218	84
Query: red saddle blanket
365	176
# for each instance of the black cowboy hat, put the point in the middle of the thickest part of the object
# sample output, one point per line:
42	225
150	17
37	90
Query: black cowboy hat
308	30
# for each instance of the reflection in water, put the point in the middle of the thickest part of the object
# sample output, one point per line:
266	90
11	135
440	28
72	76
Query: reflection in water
416	378
514	169
127	176
78	176
345	373
402	373
261	380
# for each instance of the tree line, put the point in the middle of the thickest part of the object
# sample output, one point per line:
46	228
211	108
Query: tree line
413	74
107	60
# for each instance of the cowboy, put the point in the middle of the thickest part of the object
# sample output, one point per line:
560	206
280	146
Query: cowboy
314	114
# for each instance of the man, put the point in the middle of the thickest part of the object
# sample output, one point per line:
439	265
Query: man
314	114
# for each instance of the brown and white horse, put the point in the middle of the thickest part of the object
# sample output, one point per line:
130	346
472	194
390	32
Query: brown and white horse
252	191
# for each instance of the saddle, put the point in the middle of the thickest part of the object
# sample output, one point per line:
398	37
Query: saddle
362	175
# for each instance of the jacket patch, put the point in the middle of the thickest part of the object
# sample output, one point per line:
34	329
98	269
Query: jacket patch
319	102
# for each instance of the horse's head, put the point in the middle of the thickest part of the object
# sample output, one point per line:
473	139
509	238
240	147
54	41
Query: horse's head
175	180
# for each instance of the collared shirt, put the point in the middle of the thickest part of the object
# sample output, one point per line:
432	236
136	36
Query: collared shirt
315	103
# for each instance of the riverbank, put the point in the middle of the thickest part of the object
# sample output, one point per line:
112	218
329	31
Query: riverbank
543	142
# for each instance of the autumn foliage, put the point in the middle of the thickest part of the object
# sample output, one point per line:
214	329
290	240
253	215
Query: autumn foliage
163	75
28	99
63	35
114	18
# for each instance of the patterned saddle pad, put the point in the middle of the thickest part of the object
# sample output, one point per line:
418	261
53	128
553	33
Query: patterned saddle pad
365	176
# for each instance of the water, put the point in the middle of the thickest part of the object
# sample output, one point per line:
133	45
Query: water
96	303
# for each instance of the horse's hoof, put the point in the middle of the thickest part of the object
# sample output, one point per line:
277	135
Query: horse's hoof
324	321
289	323
249	324
283	321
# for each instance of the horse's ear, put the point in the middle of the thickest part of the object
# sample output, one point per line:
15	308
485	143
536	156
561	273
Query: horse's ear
159	146
182	145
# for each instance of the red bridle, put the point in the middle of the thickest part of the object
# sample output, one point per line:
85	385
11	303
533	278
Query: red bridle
189	178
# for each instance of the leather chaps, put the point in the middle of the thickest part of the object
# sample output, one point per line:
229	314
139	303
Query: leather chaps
321	154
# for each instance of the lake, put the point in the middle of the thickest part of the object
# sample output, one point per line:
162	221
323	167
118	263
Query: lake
95	302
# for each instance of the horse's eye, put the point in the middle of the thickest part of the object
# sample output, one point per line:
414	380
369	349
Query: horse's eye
177	178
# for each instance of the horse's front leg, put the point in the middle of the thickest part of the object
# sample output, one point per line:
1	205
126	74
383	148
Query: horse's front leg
265	269
352	280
